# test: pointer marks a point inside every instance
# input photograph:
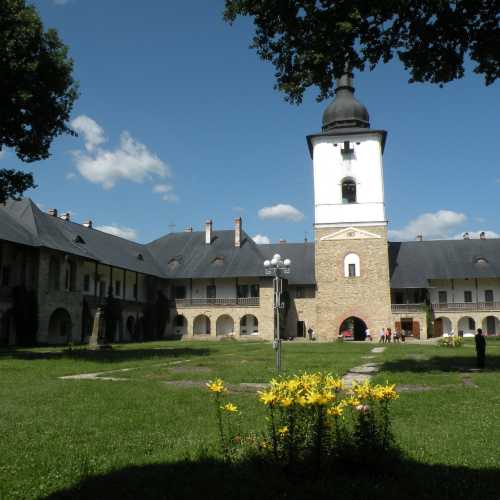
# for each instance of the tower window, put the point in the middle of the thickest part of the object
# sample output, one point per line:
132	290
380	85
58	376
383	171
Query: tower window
348	191
352	266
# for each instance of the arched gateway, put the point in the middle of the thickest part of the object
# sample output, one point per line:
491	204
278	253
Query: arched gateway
353	328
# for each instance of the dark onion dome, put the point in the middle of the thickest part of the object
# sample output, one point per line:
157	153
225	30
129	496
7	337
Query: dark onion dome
345	111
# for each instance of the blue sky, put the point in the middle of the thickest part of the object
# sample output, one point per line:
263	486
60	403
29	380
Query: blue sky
173	97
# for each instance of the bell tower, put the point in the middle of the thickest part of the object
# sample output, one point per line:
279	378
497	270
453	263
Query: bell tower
351	249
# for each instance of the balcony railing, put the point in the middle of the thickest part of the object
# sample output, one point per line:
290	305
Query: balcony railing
406	308
449	306
467	306
219	302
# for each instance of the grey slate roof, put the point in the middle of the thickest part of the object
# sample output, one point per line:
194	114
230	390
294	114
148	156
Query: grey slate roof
302	257
186	255
23	222
413	263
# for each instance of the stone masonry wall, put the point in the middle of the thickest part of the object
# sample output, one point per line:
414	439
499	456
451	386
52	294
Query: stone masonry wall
338	297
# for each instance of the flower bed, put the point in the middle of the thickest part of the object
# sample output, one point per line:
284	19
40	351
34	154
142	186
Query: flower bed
311	418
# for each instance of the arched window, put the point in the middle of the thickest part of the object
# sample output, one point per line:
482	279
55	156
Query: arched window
352	267
348	190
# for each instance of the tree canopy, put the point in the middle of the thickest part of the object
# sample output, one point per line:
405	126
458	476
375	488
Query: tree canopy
37	90
311	41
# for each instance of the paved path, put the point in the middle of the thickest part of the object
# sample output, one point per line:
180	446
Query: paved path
364	372
106	375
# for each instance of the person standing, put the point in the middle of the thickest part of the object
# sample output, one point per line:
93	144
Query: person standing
381	336
480	348
388	335
368	335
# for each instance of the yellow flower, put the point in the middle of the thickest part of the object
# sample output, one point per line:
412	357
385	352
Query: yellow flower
230	408
268	397
283	431
286	402
216	386
335	411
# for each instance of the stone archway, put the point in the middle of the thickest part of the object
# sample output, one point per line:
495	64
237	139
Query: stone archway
180	325
353	328
60	327
225	325
201	325
249	325
442	326
466	326
491	325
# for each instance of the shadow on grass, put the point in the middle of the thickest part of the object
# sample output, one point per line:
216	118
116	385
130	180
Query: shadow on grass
441	363
209	479
107	355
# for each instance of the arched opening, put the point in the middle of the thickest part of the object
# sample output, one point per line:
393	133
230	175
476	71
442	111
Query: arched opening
349	190
249	325
60	327
442	326
201	325
180	325
225	325
491	325
353	328
466	326
352	266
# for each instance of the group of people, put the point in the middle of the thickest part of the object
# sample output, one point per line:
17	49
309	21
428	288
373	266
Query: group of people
386	336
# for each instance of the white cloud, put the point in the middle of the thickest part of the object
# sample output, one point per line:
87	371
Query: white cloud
121	231
131	161
91	131
475	234
430	225
166	192
70	176
260	239
281	211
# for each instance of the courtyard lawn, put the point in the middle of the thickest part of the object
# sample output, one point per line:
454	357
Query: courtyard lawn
152	433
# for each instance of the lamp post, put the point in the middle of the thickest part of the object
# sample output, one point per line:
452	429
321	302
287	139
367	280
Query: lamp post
277	267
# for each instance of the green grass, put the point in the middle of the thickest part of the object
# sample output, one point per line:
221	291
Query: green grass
143	438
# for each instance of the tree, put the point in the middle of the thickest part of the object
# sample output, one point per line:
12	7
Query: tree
37	90
311	41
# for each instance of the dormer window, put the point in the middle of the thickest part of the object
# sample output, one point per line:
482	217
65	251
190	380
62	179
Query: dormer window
481	261
218	261
79	239
140	256
349	191
173	264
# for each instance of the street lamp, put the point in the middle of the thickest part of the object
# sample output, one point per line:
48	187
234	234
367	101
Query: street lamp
277	267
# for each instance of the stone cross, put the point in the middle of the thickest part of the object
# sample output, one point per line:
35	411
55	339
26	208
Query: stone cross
98	337
347	150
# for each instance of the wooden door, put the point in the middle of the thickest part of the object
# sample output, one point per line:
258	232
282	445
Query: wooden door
416	329
438	328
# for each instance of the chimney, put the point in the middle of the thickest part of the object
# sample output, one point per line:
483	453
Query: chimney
189	229
88	224
420	237
482	235
237	232
53	212
66	216
466	236
208	232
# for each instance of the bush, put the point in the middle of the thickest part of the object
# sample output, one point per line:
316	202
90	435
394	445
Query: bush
311	419
451	341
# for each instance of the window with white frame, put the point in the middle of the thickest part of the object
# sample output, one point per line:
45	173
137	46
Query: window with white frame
352	266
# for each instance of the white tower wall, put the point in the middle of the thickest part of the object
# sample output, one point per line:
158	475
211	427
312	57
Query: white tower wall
364	166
